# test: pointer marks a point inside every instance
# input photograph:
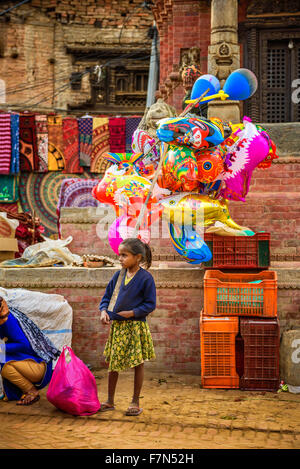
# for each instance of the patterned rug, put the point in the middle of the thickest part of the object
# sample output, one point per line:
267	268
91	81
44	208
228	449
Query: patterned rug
40	193
5	143
117	134
42	142
71	146
28	143
100	145
15	144
76	192
131	125
56	160
85	126
9	190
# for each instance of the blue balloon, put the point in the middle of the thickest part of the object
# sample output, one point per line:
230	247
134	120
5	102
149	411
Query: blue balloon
201	85
241	84
189	244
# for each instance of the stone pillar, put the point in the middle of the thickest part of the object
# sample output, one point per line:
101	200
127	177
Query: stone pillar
224	54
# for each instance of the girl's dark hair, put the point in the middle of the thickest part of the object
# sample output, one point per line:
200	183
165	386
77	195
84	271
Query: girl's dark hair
136	246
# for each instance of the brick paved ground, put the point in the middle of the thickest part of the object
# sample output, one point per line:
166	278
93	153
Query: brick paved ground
178	414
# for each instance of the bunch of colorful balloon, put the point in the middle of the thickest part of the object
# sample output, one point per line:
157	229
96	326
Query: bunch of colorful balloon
189	173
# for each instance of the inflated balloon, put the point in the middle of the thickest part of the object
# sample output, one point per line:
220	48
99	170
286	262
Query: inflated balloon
241	84
189	244
189	209
135	160
114	237
247	152
210	164
202	84
127	229
223	230
142	142
122	228
122	189
123	158
190	131
179	170
272	155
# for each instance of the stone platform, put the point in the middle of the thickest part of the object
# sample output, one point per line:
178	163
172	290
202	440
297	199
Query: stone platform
175	322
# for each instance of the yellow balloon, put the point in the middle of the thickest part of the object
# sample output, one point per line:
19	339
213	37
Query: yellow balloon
196	209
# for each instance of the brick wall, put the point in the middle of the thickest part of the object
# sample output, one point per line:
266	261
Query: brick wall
36	37
174	324
181	25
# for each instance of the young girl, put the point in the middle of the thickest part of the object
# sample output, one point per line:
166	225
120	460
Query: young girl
130	342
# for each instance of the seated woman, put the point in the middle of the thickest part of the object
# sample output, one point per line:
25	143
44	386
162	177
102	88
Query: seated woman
26	364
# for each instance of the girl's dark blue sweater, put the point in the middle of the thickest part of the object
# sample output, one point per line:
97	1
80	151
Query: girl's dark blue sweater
138	295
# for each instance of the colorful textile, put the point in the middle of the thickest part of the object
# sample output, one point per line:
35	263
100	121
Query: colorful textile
39	342
131	125
71	146
75	192
25	341
55	144
117	134
9	188
129	344
15	144
5	143
28	143
85	126
41	123
40	193
100	145
11	207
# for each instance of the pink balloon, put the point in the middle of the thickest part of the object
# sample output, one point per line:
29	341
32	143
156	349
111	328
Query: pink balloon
114	237
122	228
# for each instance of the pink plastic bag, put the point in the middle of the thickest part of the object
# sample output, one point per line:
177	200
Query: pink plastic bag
73	387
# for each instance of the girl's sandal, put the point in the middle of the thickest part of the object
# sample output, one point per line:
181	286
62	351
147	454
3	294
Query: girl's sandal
105	407
133	411
24	399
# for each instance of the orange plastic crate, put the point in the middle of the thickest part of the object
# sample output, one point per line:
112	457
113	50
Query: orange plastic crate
261	337
217	343
238	252
240	294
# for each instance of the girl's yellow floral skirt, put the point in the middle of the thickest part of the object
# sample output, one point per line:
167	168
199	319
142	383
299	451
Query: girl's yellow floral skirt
129	344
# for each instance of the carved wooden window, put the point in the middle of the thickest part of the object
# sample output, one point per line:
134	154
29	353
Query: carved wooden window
274	56
278	82
122	86
141	81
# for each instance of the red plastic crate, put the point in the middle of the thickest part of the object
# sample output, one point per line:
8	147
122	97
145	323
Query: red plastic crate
218	361
240	294
238	252
260	354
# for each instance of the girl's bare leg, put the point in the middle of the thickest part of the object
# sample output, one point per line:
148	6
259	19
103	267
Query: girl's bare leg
138	383
112	384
